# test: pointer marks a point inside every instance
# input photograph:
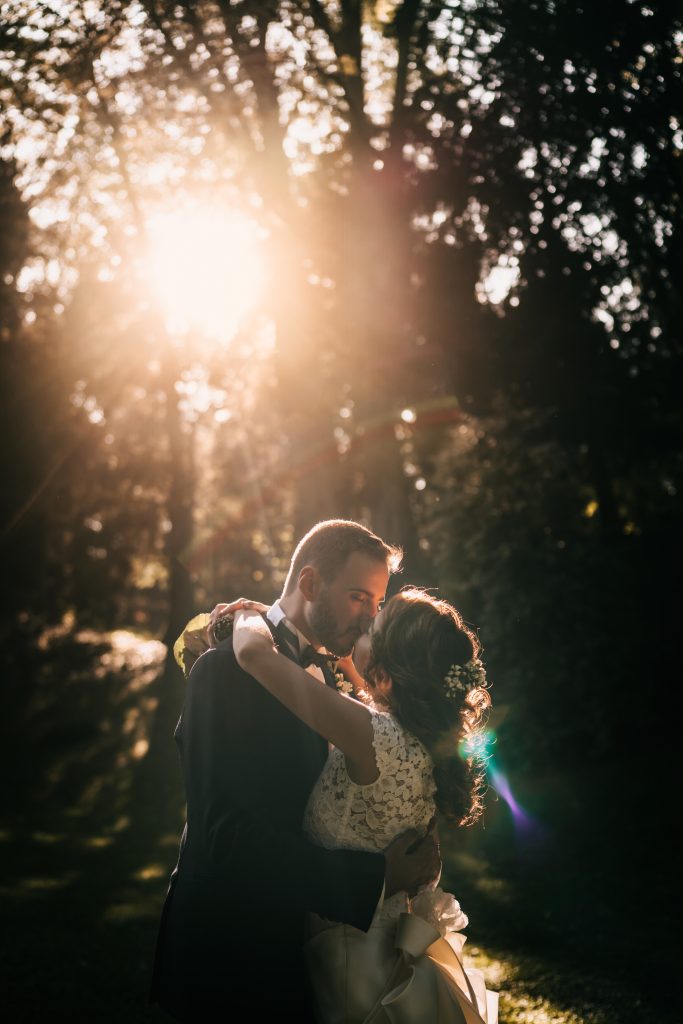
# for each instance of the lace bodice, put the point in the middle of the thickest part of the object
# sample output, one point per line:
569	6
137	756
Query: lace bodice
350	969
341	814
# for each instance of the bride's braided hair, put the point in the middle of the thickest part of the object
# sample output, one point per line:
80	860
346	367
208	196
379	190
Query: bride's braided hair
420	640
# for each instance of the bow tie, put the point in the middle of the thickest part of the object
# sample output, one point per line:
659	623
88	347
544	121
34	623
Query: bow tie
309	656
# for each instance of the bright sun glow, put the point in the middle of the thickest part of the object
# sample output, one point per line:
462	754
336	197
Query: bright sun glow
207	269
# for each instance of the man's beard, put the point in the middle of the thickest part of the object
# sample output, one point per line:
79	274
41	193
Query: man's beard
326	628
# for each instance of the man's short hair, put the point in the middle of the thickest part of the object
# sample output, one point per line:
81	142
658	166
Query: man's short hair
329	545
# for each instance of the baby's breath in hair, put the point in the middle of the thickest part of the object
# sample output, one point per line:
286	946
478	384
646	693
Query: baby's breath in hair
460	679
431	656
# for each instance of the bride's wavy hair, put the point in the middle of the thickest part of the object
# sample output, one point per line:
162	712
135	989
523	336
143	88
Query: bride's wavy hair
419	640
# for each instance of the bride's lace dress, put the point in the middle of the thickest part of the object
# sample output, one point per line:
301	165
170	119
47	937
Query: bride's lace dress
408	967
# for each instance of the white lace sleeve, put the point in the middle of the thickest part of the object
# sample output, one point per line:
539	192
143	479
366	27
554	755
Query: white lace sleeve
388	739
342	813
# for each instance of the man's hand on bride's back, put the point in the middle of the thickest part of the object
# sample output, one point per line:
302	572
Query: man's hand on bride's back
411	862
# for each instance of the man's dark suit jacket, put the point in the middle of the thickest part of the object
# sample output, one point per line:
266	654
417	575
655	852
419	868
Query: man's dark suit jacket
231	932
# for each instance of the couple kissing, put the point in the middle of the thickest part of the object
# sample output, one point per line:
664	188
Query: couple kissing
318	740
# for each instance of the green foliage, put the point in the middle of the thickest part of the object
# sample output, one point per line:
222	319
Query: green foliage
397	157
572	641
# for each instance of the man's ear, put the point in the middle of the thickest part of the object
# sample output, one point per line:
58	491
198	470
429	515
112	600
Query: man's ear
310	582
382	686
383	683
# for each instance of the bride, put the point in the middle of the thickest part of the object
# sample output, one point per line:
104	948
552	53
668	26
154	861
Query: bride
399	754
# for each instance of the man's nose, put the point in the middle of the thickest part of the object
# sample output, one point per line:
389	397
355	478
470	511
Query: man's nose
365	621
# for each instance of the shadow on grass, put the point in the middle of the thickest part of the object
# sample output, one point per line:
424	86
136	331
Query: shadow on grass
86	851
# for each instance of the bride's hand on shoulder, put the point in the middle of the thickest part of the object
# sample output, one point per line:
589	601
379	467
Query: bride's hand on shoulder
222	617
206	630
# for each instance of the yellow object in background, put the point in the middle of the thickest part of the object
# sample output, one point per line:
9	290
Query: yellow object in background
192	642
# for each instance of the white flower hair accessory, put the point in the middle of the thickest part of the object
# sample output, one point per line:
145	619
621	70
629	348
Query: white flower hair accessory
460	679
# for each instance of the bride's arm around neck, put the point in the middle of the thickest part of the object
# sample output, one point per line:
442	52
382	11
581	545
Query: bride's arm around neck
339	719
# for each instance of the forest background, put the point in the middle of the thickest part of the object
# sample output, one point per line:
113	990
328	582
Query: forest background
417	264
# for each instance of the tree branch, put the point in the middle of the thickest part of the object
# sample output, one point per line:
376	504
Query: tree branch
347	45
182	60
322	21
405	20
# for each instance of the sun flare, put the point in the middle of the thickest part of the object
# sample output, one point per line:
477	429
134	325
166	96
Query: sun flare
207	269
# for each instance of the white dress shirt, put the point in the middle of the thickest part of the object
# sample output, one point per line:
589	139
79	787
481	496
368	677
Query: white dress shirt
276	615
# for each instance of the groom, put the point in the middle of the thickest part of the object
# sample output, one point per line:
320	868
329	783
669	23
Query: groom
232	928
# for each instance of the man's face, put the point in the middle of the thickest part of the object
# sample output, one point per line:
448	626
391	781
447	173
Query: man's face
363	649
345	608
